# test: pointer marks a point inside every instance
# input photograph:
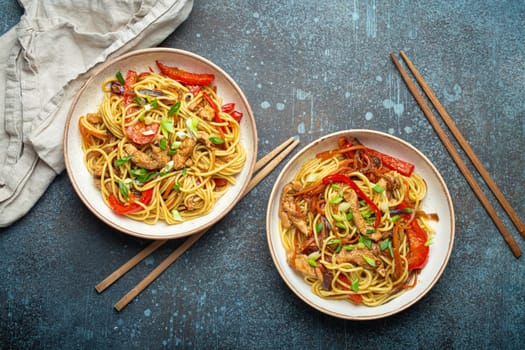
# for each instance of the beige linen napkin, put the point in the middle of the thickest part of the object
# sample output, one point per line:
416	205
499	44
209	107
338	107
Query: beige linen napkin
44	60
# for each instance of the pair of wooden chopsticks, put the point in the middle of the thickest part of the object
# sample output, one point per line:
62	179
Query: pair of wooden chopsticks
455	155
265	165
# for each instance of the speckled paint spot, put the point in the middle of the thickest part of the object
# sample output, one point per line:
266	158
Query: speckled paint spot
379	78
408	129
388	103
302	95
147	312
369	116
399	108
455	96
149	261
280	106
371	24
265	105
391	131
301	128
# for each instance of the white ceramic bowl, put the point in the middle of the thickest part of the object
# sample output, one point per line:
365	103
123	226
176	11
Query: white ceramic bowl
90	96
437	201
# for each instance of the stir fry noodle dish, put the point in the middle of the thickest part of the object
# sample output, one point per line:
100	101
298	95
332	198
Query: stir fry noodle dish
162	146
352	224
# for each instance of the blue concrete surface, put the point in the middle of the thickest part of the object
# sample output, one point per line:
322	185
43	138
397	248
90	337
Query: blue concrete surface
308	68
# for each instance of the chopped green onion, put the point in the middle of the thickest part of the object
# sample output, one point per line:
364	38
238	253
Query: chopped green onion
162	144
338	217
366	213
378	189
318	227
355	285
370	230
123	160
387	244
350	216
344	206
176	215
176	144
172	152
167	168
338	249
138	100
154	104
216	140
395	218
407	210
184	171
384	244
312	177
341	225
142	175
336	200
148	120
349	247
174	109
335	187
367	242
312	259
334	241
166	126
370	261
120	78
191	125
177	186
123	189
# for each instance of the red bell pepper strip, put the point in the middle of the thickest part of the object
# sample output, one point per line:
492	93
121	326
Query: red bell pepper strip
345	179
122	209
131	78
185	77
403	167
237	115
228	107
418	253
417	239
216	117
220	182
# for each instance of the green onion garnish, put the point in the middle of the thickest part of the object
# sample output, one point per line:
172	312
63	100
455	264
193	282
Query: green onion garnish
123	160
120	78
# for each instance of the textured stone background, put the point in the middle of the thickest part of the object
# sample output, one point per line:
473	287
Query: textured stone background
308	68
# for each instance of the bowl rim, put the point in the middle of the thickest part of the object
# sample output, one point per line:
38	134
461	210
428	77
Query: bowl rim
274	195
248	117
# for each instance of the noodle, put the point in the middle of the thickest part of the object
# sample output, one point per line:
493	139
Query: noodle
159	149
350	225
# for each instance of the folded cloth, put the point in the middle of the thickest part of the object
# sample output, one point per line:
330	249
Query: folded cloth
44	60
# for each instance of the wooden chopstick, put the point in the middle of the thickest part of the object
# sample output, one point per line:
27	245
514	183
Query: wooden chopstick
121	271
144	253
457	158
464	144
278	154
